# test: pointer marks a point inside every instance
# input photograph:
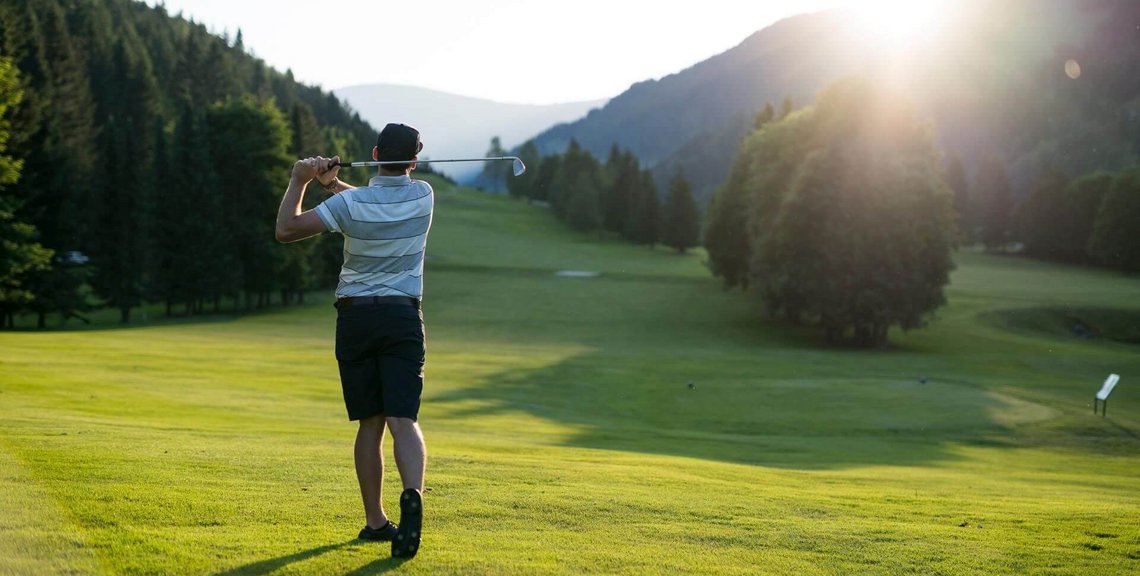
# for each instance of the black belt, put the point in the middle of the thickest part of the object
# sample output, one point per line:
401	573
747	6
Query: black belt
374	300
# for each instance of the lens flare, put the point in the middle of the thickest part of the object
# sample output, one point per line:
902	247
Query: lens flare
1072	69
899	23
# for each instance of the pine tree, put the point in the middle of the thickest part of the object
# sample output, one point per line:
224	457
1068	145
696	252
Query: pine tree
624	176
1084	199
10	97
191	82
681	228
54	122
22	256
259	135
1043	216
582	211
121	250
306	135
787	107
644	226
544	180
727	236
994	198
1114	240
496	174
296	270
764	116
577	166
184	259
956	180
524	186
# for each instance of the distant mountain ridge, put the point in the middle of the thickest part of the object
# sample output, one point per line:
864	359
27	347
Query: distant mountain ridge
458	126
664	121
990	70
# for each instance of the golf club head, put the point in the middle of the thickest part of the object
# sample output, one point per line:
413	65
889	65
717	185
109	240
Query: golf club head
520	168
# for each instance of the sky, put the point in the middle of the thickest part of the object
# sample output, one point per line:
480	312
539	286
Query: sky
524	52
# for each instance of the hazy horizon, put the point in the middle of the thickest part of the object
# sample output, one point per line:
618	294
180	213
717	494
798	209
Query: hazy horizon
509	52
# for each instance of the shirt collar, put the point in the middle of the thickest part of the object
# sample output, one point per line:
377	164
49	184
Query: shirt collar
401	180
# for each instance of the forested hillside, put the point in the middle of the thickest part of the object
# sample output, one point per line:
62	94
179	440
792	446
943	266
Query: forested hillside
153	157
995	87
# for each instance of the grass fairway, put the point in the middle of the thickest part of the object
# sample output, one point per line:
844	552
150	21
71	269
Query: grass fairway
564	437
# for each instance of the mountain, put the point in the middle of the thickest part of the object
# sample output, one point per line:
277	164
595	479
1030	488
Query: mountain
988	81
456	126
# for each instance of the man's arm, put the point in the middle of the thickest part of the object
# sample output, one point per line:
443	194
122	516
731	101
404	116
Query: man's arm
292	223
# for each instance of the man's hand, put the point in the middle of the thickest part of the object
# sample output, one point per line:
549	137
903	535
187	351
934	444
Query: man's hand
327	170
305	170
292	223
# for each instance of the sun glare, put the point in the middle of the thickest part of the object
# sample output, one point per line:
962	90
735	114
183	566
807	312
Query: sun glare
899	23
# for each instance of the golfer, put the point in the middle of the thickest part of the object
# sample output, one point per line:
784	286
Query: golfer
379	327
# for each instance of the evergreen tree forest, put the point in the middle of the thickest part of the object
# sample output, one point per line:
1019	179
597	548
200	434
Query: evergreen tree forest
151	155
618	197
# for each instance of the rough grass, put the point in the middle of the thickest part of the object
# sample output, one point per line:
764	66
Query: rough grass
565	438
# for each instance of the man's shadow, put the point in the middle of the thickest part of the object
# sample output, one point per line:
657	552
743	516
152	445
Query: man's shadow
261	567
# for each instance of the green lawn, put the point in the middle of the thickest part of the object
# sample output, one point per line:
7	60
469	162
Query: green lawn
564	436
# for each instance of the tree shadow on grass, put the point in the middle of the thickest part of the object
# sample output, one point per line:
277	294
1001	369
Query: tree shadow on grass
796	415
261	567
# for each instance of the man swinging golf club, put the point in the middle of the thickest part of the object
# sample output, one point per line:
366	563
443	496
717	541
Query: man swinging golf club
379	328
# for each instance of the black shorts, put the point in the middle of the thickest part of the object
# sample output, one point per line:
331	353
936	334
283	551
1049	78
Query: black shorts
380	350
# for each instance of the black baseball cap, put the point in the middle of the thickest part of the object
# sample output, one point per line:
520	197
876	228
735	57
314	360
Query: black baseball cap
398	142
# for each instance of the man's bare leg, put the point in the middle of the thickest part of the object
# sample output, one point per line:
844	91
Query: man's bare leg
370	468
411	458
411	454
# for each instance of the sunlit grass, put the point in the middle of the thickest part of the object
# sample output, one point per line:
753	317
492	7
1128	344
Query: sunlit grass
564	435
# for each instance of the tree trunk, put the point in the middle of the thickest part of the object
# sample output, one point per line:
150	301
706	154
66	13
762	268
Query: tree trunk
881	335
41	320
169	308
124	314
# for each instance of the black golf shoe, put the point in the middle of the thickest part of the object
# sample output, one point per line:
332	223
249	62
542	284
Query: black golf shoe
407	541
384	533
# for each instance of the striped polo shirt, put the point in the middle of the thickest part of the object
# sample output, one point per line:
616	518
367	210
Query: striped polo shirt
385	227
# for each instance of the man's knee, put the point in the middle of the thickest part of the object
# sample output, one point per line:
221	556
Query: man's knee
400	426
373	424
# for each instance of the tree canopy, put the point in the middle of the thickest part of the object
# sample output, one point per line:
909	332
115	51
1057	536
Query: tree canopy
174	140
848	219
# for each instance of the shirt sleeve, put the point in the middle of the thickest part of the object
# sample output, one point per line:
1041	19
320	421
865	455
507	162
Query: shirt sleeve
333	211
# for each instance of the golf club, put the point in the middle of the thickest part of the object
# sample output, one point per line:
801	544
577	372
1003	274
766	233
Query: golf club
519	167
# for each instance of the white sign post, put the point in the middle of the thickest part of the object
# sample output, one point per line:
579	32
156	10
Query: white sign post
1102	395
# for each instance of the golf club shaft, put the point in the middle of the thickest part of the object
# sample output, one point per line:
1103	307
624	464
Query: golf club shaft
370	163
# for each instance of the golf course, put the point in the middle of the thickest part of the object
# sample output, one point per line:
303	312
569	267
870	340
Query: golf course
637	421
